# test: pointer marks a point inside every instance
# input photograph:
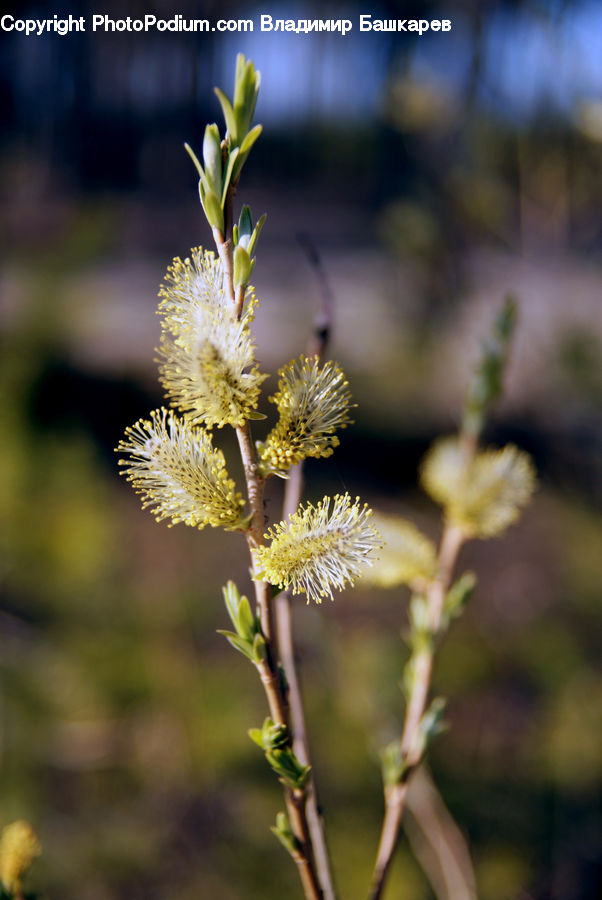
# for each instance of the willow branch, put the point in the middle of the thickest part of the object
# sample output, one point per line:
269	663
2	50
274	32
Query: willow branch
395	795
411	748
268	668
437	842
284	626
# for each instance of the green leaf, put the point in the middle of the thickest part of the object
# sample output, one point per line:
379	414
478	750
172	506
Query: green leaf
487	382
232	600
240	644
256	233
256	735
245	150
194	158
431	725
227	111
458	596
255	416
239	79
212	157
260	651
247	624
250	139
242	267
284	833
246	86
271	736
287	766
275	737
245	222
213	209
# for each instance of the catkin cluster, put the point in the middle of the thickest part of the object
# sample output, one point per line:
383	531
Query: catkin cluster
208	369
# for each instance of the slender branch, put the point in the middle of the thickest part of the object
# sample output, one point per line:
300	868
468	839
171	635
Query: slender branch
268	668
395	795
300	740
283	611
437	842
323	321
240	300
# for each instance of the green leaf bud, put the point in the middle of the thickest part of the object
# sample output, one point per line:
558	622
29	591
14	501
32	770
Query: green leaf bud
458	596
212	157
243	646
228	114
212	208
487	382
394	765
284	833
260	651
242	266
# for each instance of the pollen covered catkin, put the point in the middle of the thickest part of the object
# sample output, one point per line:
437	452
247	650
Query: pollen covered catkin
312	401
317	550
179	473
206	355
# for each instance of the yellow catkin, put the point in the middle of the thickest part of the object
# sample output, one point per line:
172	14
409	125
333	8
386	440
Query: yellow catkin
407	556
206	356
312	401
484	496
180	475
19	847
317	550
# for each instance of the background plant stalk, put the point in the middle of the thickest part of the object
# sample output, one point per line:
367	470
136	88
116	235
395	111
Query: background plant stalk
395	795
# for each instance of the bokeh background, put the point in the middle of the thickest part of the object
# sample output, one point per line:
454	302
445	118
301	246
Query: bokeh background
433	175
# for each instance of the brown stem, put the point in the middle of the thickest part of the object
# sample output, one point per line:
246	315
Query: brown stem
283	611
437	842
395	795
295	805
300	742
268	668
394	803
240	301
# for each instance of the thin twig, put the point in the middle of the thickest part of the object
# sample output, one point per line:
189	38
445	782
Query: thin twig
268	668
284	629
437	842
322	326
283	611
395	795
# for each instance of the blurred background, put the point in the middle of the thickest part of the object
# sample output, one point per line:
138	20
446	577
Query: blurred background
433	174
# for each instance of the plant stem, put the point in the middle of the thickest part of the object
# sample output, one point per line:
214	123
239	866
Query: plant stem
283	610
268	668
395	795
284	627
224	251
437	842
